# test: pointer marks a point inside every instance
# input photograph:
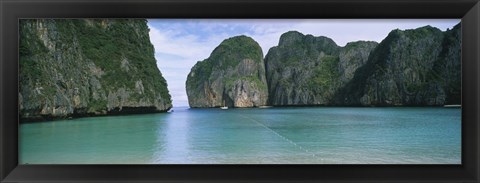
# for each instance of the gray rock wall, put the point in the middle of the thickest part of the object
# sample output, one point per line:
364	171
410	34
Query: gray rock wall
308	70
418	67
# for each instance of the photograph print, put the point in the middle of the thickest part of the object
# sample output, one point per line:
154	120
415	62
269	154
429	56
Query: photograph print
240	91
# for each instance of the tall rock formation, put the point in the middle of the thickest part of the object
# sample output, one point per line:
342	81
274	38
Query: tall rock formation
308	70
79	67
447	69
414	67
233	75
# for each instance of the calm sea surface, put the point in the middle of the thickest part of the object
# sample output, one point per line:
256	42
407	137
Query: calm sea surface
315	135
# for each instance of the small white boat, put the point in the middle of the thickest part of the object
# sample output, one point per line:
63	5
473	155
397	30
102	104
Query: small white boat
264	106
224	106
453	106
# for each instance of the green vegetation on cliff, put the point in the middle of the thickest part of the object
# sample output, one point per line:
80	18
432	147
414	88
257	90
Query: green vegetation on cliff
325	73
417	67
408	68
234	68
308	70
108	47
227	54
76	67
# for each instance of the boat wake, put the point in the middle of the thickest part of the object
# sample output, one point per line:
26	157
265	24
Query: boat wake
279	135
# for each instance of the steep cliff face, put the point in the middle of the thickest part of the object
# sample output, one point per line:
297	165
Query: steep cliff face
412	67
234	74
308	70
447	69
353	56
88	67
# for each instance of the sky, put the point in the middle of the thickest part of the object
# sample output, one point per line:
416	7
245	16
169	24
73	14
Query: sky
180	43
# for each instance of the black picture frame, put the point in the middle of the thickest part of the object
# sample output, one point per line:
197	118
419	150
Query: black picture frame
12	10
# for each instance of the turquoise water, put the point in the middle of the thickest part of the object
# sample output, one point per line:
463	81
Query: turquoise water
318	135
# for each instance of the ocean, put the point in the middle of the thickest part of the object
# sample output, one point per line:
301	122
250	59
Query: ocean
287	135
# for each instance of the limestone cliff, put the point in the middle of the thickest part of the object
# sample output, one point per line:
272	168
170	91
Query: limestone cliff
82	67
233	75
308	70
417	67
447	68
414	67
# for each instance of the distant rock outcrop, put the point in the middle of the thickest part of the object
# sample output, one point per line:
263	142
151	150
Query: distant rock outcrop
83	67
233	75
415	67
308	70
